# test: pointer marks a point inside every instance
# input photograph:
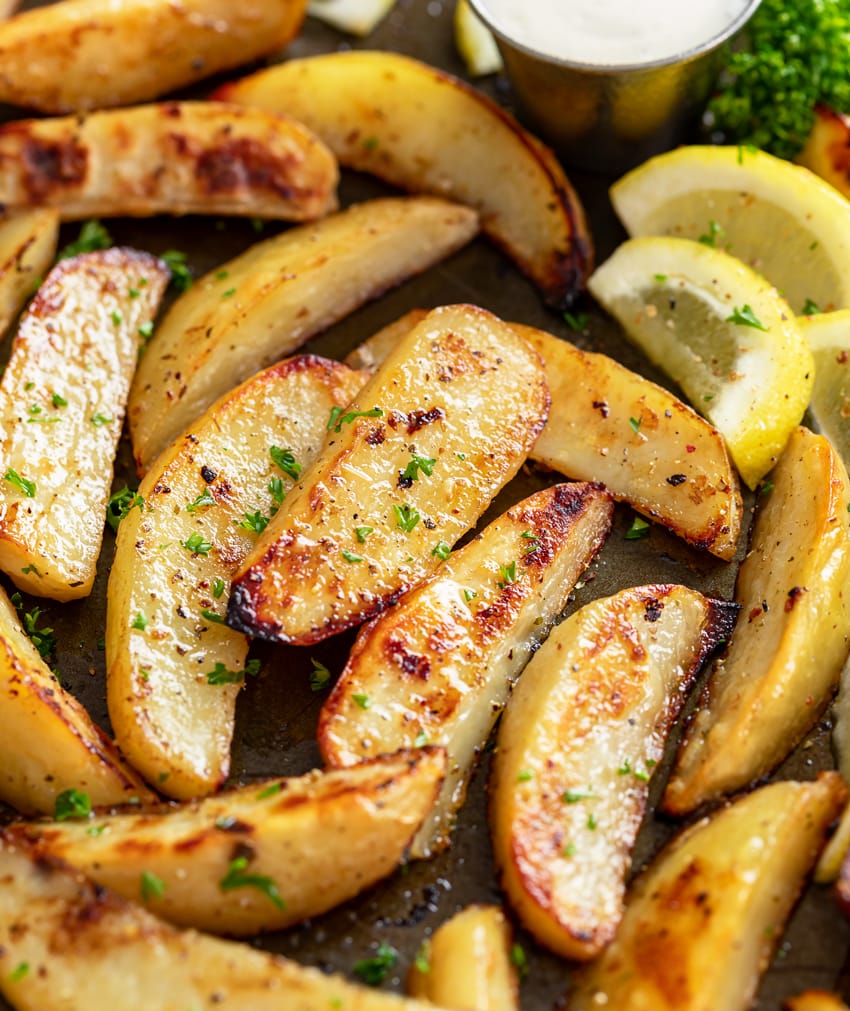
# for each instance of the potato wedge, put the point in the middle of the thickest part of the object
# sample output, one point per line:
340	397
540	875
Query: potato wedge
318	840
174	158
62	400
816	1000
88	54
69	945
445	422
835	851
467	963
825	150
49	742
578	742
674	468
173	669
27	249
425	131
271	299
440	664
791	641
702	922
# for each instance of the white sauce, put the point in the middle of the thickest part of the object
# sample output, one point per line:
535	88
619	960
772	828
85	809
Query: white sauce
610	32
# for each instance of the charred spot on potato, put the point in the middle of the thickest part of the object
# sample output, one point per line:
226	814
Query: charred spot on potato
243	163
208	474
50	166
676	479
794	595
652	609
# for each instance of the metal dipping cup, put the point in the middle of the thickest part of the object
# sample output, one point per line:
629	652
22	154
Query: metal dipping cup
609	118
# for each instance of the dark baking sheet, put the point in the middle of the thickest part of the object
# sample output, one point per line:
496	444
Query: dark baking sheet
277	712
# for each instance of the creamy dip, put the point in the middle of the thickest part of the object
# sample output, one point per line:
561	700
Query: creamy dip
606	32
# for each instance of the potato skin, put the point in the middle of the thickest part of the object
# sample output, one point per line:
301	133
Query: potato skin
171	158
89	54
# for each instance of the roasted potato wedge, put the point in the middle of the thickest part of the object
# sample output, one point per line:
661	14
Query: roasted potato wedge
27	249
426	131
674	468
467	963
792	637
578	742
317	841
271	299
835	851
62	400
89	54
49	743
173	668
702	922
68	944
826	149
445	422
816	1000
440	664
173	158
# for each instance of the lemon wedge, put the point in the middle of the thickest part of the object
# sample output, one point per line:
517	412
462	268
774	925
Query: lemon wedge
828	336
475	42
357	17
779	218
721	332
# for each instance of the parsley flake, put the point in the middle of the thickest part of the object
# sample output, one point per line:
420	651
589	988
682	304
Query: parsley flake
417	464
285	459
339	417
745	317
237	878
222	675
508	574
638	529
204	499
71	804
218	588
140	622
441	550
99	420
362	700
120	504
181	276
319	677
373	971
269	791
406	517
212	616
196	544
810	308
21	483
42	638
253	521
363	532
349	556
19	972
152	887
93	236
58	400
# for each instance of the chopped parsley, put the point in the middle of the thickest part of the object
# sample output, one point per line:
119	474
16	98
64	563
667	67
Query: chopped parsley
811	308
181	276
253	521
58	400
469	595
71	804
98	420
196	544
93	236
363	532
116	317
745	317
406	517
218	588
222	675
140	622
362	700
237	878
714	233
508	574
212	616
42	638
19	972
269	791
441	550
634	424
574	796
120	504
13	478
417	464
146	329
285	459
152	887
349	556
524	775
319	677
339	417
422	961
373	971
520	960
638	529
578	321
204	499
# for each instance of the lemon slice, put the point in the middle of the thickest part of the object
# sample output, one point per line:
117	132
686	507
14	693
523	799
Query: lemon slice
721	332
828	337
357	17
779	218
475	42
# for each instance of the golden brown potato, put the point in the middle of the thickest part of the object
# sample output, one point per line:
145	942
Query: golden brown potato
582	733
67	943
316	841
173	668
49	743
62	400
815	1000
674	468
425	131
702	922
27	249
405	471
792	635
77	55
826	149
835	851
439	665
173	158
268	301
467	963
